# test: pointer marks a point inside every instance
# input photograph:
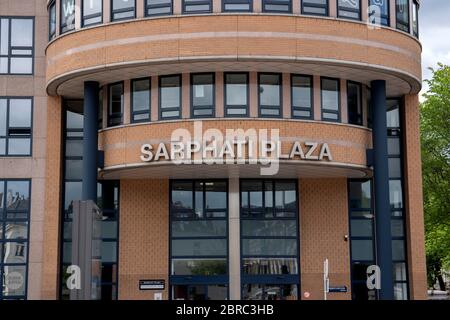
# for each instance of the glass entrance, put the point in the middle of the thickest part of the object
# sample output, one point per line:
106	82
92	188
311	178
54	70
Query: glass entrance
200	292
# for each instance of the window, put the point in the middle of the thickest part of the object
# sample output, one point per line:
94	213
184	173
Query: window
140	100
158	7
349	9
14	235
67	15
302	96
202	95
236	94
100	109
92	12
315	7
330	99
197	6
270	94
115	104
122	9
283	6
354	103
52	20
269	238
15	126
379	12
402	14
16	45
199	237
415	18
362	237
170	97
237	5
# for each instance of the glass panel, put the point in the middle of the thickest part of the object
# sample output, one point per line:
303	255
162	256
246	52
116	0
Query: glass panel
269	292
317	7
269	247
198	247
354	101
236	89
109	229
203	90
14	252
361	228
402	14
74	120
210	228
74	148
52	20
92	7
393	146
330	94
122	4
269	89
16	230
20	113
237	5
380	12
116	99
360	194
17	195
72	193
393	116
301	92
197	6
362	250
109	251
3	65
14	281
398	250
182	195
199	267
270	266
2	147
157	7
216	195
271	228
67	252
400	271
67	15
21	32
4	36
285	196
349	9
74	169
253	189
395	194
3	109
400	291
170	92
397	228
395	170
141	95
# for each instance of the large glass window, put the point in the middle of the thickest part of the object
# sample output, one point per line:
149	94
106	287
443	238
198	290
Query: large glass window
16	116
52	20
67	17
354	103
415	18
379	12
237	5
236	94
92	12
402	14
158	7
270	94
199	238
302	96
16	45
202	95
362	237
197	6
115	104
14	234
330	93
123	9
269	239
283	6
170	97
140	100
349	9
315	7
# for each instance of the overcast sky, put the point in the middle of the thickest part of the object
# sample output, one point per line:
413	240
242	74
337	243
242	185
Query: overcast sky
434	29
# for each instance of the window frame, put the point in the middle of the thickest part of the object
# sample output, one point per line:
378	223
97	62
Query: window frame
238	107
399	24
10	48
7	136
361	115
111	116
387	16
322	110
49	8
116	11
415	24
271	2
213	106
231	2
359	12
149	111
3	221
306	4
201	2
61	25
91	16
280	89
295	108
180	108
148	7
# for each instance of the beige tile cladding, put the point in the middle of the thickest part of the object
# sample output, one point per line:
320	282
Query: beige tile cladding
144	236
80	50
348	143
414	200
323	225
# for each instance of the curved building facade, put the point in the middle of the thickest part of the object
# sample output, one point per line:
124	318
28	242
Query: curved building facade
233	146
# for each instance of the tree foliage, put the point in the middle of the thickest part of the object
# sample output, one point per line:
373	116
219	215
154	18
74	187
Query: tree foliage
435	136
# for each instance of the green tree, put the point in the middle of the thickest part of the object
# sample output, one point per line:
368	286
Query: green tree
435	136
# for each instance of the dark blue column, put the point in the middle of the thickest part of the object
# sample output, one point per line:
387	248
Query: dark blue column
381	190
90	142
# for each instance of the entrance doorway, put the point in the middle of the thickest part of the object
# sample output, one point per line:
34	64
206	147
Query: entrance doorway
199	292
